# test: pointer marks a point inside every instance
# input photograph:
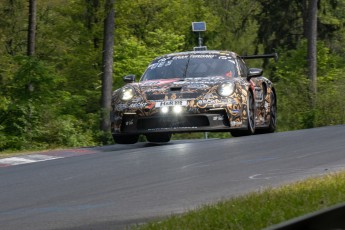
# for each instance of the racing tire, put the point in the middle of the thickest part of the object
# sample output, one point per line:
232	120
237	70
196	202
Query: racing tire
273	117
125	139
273	114
251	118
158	137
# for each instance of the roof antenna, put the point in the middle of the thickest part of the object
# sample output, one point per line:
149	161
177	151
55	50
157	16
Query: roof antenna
199	27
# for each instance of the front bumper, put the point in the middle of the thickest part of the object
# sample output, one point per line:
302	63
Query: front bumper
212	120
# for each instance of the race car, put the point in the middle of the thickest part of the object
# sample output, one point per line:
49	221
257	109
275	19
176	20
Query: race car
195	91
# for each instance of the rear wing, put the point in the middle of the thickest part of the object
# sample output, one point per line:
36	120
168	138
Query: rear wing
273	55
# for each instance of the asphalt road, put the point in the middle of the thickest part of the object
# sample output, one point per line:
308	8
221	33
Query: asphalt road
120	185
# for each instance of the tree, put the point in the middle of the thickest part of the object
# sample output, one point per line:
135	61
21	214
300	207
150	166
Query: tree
32	28
312	47
236	28
107	76
13	39
32	33
61	56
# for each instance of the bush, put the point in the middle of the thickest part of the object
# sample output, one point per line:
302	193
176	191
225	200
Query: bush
295	109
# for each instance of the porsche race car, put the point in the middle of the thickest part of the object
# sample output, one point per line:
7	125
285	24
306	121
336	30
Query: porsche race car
196	91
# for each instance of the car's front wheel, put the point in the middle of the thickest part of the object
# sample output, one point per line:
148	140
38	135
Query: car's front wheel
273	114
273	117
158	137
250	118
125	139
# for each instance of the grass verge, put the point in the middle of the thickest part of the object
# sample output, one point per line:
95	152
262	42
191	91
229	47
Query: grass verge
261	209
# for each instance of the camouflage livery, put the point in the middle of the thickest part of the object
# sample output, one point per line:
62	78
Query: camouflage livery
193	103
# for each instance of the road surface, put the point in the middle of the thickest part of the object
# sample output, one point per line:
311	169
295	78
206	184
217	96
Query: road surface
113	186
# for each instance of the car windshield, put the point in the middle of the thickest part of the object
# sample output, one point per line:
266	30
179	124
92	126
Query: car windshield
191	66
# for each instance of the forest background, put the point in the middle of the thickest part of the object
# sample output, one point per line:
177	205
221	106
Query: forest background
52	99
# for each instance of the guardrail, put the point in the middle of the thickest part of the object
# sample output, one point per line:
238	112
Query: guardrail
332	218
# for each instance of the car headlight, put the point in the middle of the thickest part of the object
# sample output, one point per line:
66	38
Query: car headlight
127	93
226	89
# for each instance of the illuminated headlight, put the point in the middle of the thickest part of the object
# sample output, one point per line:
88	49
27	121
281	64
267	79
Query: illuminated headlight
165	109
226	89
127	93
177	109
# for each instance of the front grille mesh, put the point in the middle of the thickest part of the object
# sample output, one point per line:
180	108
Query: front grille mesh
172	122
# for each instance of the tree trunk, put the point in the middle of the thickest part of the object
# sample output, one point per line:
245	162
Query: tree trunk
107	77
32	28
312	48
32	34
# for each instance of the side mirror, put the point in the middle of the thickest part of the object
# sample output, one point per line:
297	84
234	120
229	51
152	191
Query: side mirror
129	78
254	72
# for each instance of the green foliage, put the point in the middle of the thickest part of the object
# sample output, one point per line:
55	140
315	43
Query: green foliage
67	130
132	56
292	90
12	27
330	108
235	27
32	80
32	112
294	99
53	99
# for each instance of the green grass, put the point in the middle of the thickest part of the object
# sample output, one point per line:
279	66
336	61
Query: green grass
261	209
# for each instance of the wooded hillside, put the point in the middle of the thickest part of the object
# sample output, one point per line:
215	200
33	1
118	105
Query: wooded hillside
51	96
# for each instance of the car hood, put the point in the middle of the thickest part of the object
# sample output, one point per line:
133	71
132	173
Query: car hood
187	88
